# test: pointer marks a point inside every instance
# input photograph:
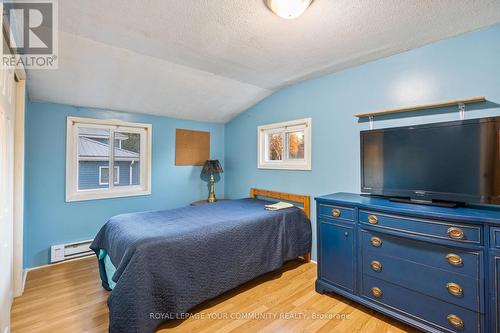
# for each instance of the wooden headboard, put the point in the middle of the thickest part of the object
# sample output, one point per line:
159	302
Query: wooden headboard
304	200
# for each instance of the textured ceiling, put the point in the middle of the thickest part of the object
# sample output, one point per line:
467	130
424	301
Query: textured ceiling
210	60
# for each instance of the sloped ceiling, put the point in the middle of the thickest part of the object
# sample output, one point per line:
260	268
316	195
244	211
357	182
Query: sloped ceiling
212	59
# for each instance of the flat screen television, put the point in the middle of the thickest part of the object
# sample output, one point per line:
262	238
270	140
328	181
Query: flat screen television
457	161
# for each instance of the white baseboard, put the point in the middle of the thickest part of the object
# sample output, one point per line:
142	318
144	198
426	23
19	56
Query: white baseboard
27	270
20	292
25	275
59	263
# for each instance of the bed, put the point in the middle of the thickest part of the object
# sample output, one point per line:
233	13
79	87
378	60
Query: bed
160	264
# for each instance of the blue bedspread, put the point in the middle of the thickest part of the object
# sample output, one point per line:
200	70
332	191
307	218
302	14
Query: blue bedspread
169	261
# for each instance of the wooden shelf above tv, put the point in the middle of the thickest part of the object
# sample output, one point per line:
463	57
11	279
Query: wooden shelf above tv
423	107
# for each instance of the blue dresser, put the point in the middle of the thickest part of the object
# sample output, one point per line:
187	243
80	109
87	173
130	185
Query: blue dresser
437	269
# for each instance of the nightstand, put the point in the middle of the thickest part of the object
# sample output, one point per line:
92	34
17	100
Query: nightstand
202	202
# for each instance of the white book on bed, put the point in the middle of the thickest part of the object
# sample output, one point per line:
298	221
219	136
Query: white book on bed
279	205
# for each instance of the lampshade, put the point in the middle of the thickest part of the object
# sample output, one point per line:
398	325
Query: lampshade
212	166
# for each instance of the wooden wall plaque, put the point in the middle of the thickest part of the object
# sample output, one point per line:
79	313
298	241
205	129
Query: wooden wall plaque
191	147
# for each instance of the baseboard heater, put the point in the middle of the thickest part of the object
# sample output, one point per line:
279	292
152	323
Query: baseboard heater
70	251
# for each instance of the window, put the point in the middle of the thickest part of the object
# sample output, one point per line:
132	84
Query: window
285	145
104	175
100	150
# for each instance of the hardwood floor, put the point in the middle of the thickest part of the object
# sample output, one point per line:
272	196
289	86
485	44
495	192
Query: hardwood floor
69	298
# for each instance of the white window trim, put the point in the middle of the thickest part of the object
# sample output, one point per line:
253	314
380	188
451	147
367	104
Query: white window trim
286	164
72	192
117	172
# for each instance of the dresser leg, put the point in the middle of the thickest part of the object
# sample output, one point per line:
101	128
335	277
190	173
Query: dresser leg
307	257
319	290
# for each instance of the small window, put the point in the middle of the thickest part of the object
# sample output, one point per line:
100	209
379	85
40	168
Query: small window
285	145
104	175
100	150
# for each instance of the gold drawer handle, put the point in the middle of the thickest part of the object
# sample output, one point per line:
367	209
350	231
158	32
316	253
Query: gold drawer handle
376	266
336	212
454	259
377	292
455	321
455	289
377	242
372	219
455	233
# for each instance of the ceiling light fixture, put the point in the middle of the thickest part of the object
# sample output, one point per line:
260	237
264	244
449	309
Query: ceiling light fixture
288	9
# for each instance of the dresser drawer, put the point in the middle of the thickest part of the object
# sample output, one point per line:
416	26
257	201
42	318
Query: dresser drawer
460	233
466	262
495	237
449	287
445	316
336	212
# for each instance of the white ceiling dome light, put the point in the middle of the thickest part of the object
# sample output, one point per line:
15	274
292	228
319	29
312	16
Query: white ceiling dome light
288	9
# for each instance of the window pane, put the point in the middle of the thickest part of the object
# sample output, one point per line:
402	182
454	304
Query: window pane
93	153
295	145
275	146
127	158
104	175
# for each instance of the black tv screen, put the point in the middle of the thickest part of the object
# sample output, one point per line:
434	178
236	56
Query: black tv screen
455	161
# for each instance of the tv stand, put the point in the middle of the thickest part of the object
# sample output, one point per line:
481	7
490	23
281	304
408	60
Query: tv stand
446	204
405	260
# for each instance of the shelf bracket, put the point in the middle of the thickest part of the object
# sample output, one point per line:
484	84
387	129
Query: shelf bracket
370	118
461	110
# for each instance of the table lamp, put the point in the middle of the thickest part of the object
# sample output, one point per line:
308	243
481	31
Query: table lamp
212	167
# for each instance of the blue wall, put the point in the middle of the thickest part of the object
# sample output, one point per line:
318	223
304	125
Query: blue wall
460	67
50	220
